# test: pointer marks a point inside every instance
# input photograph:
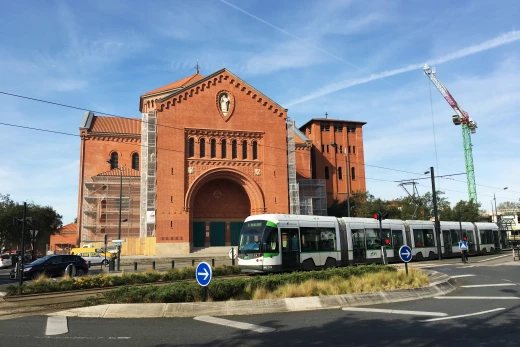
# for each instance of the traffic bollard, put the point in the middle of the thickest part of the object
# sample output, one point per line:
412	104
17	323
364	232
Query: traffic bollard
173	264
135	266
232	256
153	264
193	262
89	264
212	262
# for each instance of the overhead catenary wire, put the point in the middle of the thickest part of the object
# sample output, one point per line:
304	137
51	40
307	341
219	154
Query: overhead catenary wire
172	127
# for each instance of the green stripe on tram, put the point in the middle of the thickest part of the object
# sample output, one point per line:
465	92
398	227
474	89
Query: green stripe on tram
270	255
271	224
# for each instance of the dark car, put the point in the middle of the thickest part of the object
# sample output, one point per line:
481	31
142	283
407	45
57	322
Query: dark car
53	265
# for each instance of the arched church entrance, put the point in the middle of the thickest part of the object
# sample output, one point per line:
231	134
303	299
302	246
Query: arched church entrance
218	209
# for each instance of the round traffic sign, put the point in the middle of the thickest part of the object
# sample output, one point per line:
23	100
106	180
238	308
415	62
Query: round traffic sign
405	253
203	273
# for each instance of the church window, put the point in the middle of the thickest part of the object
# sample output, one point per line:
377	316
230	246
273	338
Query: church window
340	173
191	147
224	149
213	148
353	175
255	150
326	172
244	149
202	148
135	161
114	160
234	149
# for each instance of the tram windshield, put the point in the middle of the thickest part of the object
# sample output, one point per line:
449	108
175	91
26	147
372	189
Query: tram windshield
251	236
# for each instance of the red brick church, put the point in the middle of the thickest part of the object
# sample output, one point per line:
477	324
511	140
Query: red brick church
207	153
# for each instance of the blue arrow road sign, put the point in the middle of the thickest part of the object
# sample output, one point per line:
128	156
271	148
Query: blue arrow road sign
203	273
405	253
463	245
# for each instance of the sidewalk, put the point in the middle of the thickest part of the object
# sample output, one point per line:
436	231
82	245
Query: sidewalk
440	284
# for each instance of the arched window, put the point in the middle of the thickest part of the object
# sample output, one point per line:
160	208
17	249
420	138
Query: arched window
244	149
191	147
224	149
135	161
234	149
326	172
340	173
202	148
114	160
255	150
213	148
353	175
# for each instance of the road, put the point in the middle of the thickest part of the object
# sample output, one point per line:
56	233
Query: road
484	311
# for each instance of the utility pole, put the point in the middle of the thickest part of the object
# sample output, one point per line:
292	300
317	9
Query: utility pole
380	218
20	268
436	214
119	227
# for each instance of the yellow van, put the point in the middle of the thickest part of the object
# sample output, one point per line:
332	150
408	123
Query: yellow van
93	249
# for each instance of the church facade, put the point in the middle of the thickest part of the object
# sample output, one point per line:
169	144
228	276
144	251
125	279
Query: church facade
207	153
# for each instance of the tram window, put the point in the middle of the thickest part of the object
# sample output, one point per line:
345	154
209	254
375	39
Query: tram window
358	238
455	237
424	238
309	239
327	239
486	236
429	238
372	239
397	239
418	237
271	242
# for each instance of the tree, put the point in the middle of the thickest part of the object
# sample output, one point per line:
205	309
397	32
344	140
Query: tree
509	205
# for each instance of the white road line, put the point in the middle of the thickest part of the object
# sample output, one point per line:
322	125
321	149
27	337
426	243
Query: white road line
57	325
478	297
489	285
459	276
465	267
462	315
502	256
415	313
233	324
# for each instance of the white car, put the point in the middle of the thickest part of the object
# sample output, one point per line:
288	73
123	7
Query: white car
6	260
94	258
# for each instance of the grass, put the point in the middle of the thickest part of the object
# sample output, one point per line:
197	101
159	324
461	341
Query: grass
370	282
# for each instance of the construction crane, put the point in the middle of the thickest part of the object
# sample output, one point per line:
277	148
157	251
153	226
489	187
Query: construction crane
468	127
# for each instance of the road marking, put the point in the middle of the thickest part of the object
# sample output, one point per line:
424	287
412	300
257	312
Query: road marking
489	285
233	324
459	276
483	260
415	313
463	315
57	325
478	297
465	267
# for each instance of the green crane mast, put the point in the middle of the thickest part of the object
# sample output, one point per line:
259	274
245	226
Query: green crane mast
469	126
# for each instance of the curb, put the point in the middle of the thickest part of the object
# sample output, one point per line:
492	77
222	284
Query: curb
440	284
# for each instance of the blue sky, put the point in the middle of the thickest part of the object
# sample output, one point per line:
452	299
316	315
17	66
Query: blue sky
356	60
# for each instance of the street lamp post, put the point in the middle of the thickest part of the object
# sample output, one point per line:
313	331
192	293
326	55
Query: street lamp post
495	199
435	212
120	207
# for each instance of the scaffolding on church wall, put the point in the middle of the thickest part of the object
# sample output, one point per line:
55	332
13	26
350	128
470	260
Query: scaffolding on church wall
294	195
313	197
100	209
148	174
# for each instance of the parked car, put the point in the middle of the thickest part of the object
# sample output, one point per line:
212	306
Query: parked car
6	260
94	258
53	265
91	249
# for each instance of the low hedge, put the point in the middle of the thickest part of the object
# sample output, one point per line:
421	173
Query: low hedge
46	285
225	289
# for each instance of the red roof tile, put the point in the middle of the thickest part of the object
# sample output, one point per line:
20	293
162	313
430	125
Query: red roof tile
178	84
69	228
127	172
114	125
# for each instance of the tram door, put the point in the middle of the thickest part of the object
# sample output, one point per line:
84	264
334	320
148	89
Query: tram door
359	246
446	237
290	248
496	238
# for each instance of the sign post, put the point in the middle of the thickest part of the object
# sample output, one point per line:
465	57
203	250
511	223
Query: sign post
405	253
203	275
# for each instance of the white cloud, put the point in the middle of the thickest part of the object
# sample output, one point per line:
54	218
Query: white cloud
334	87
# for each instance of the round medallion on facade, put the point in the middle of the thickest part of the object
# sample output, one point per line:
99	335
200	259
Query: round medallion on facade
225	104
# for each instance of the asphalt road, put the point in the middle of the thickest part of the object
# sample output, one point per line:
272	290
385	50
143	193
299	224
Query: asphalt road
476	316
